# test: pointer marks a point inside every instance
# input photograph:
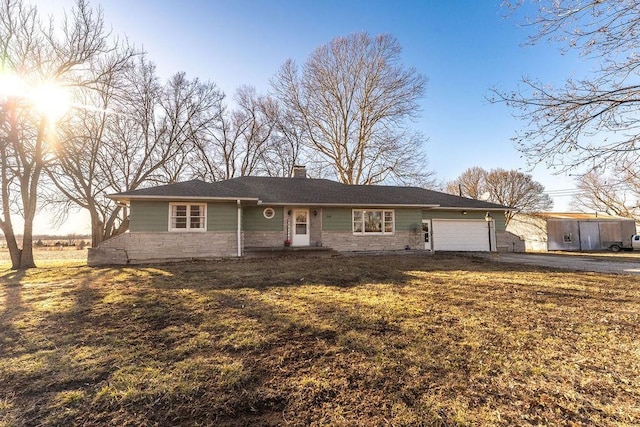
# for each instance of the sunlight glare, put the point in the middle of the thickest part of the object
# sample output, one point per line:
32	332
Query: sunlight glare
11	86
47	98
51	100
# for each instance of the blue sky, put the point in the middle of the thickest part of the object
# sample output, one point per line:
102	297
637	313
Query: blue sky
463	47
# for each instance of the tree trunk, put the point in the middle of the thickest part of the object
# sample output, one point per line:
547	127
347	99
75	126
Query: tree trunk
97	230
26	258
14	251
22	259
29	192
5	223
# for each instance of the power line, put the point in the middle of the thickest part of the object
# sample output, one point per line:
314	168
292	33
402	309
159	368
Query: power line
576	191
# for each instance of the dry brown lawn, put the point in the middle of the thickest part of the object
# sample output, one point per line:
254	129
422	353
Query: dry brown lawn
385	340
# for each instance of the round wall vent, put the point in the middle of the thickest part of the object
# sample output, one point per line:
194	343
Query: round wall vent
269	213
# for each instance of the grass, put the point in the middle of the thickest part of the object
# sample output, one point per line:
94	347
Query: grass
50	257
393	340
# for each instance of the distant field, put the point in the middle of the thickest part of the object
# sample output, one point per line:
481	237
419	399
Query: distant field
47	257
382	341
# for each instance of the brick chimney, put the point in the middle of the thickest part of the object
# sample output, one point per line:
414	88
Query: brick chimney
299	171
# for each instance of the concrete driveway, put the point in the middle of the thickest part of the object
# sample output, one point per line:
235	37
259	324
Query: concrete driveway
622	263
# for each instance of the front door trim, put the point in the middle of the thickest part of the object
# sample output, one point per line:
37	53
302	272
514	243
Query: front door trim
300	227
427	234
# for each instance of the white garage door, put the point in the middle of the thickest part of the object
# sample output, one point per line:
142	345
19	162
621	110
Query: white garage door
460	235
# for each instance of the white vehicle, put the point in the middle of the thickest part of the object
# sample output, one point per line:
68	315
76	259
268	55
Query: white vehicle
634	244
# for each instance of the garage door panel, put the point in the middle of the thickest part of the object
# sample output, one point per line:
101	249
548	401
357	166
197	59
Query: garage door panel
460	235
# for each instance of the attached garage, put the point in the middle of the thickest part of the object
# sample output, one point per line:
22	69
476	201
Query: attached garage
461	235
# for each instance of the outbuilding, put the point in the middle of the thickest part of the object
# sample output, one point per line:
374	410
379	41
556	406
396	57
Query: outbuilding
573	231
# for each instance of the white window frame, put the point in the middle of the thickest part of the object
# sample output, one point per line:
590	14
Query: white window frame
188	229
383	213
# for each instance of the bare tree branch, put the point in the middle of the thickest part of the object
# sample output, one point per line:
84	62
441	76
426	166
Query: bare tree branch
506	187
136	132
587	122
352	101
34	54
614	193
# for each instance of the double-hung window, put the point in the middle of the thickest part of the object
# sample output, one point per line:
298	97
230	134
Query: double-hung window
187	217
373	221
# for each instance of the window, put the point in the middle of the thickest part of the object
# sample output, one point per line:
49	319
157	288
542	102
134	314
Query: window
373	221
566	237
301	222
187	217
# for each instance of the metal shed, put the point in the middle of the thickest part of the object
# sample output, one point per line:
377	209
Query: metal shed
572	231
589	234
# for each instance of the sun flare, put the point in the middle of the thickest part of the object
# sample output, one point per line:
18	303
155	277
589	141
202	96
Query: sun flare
47	98
11	86
51	100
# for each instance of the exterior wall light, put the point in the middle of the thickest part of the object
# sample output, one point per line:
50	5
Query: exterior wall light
489	218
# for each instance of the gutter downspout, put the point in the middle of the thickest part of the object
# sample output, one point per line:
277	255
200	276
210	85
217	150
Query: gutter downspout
239	232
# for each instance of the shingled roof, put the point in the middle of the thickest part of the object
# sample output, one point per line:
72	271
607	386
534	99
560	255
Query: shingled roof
303	191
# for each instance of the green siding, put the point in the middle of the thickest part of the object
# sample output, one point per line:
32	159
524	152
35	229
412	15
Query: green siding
336	219
408	219
222	216
339	219
154	216
498	216
254	220
148	216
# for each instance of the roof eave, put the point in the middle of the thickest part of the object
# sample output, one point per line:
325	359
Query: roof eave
488	208
343	205
127	198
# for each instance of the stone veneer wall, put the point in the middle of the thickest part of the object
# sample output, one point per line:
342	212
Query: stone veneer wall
136	248
347	241
315	227
264	239
509	242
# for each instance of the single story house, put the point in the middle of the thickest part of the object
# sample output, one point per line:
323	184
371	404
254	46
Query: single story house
203	220
572	231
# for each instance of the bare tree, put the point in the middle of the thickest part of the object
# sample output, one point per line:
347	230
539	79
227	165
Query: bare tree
471	183
591	121
137	131
352	101
78	170
253	127
239	141
518	190
612	194
284	149
36	54
506	187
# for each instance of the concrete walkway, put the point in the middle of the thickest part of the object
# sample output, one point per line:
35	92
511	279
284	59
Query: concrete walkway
586	262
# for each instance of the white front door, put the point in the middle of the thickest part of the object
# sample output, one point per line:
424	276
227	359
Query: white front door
300	227
426	232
